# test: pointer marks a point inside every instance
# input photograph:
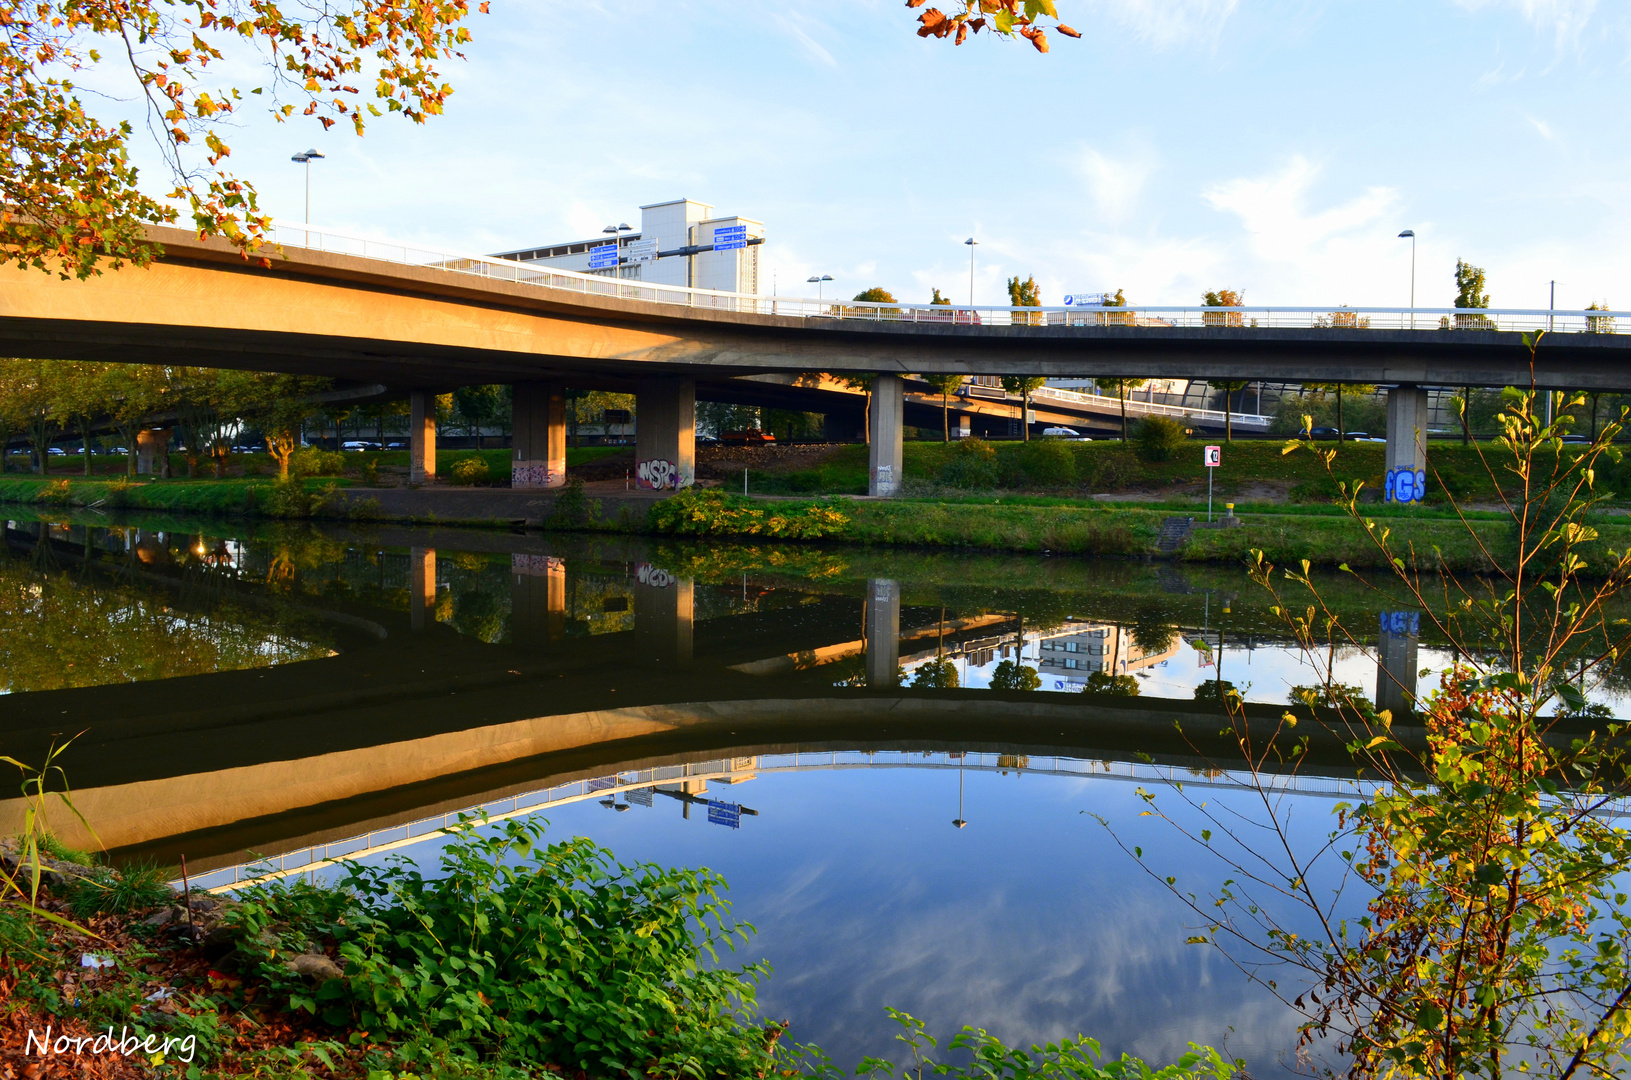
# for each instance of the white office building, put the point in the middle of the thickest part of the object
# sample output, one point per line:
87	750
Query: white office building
674	245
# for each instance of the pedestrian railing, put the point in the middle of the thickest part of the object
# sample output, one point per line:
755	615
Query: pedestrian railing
1234	320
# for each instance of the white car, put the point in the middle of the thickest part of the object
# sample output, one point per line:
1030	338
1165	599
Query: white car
1064	433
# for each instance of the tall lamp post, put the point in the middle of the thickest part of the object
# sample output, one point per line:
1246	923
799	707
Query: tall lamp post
305	158
958	820
617	232
972	244
1411	233
817	282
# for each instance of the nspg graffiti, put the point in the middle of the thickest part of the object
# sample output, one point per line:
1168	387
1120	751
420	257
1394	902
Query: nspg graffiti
659	474
654	575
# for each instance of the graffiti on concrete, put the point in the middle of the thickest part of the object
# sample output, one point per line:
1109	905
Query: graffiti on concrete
537	474
659	474
654	576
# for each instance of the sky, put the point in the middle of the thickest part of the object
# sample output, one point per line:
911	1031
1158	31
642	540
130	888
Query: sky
1272	146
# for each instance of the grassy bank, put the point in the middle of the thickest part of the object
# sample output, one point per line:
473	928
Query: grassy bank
209	497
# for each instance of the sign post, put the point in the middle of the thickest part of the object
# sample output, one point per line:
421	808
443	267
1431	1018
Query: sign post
731	238
1213	458
603	257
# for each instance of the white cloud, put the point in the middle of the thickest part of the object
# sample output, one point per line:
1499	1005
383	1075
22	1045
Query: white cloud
793	25
1565	19
1164	23
1273	209
1543	127
1115	183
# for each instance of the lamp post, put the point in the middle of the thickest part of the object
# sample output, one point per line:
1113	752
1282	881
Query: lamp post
305	158
958	820
817	281
972	244
1412	234
617	232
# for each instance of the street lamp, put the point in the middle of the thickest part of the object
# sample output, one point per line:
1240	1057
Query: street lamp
306	158
972	244
617	234
817	282
1412	234
958	820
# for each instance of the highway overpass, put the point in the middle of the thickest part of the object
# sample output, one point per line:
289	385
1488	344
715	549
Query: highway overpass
424	321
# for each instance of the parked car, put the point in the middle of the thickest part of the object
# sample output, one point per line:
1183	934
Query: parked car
1576	439
359	444
396	445
750	437
56	451
1064	433
1318	433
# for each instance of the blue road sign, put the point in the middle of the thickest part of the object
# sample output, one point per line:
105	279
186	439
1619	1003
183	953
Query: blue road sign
730	238
604	257
730	230
730	245
725	813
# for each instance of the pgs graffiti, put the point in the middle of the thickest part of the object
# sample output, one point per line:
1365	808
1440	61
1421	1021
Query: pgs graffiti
660	475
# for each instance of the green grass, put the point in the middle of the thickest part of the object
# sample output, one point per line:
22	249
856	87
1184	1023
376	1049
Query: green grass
235	496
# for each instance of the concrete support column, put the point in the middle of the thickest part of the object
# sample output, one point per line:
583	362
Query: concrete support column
664	611
665	455
153	451
421	587
421	437
1396	662
885	456
882	633
1406	476
537	599
538	430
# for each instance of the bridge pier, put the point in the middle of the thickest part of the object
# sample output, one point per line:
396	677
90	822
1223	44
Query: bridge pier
882	633
1396	661
664	611
665	441
421	437
421	588
885	455
153	452
537	599
539	435
1406	476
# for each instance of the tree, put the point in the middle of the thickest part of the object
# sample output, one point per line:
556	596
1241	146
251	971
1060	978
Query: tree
130	393
1118	300
1230	387
76	398
1336	388
1469	286
937	300
1024	294
1014	675
1024	386
944	385
1224	298
875	295
27	395
862	384
1006	17
280	405
72	191
477	407
1495	933
1121	388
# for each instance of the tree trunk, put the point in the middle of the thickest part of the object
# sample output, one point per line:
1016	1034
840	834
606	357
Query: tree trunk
1466	415
1342	431
1025	415
85	443
945	417
1594	417
1121	399
1228	421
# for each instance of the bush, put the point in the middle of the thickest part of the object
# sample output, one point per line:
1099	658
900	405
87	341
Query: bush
1158	438
470	470
1101	682
522	954
973	465
1113	471
936	675
370	472
106	891
1010	675
315	461
1048	463
710	512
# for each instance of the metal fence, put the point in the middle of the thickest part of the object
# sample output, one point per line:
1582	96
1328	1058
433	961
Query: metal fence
1337	319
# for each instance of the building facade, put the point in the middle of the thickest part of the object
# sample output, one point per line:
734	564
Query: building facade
671	247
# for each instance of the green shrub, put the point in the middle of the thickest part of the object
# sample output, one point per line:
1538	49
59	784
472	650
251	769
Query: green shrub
370	472
1221	690
572	508
1158	438
1048	463
710	512
1452	484
519	953
315	461
1112	470
470	470
973	465
1010	675
936	675
1102	682
107	891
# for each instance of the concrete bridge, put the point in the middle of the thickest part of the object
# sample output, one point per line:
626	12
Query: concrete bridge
424	322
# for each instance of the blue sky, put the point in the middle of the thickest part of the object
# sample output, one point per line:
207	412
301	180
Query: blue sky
1273	146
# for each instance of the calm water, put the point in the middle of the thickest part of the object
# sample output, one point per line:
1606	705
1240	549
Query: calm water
300	693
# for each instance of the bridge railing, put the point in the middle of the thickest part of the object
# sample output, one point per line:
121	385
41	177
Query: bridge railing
1336	319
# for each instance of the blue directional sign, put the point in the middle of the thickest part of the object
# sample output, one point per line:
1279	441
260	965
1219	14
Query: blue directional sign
731	238
603	257
725	813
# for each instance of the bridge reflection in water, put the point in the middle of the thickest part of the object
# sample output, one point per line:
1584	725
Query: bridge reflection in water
611	660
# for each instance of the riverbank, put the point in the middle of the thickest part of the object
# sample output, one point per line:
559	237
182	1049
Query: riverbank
1050	525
